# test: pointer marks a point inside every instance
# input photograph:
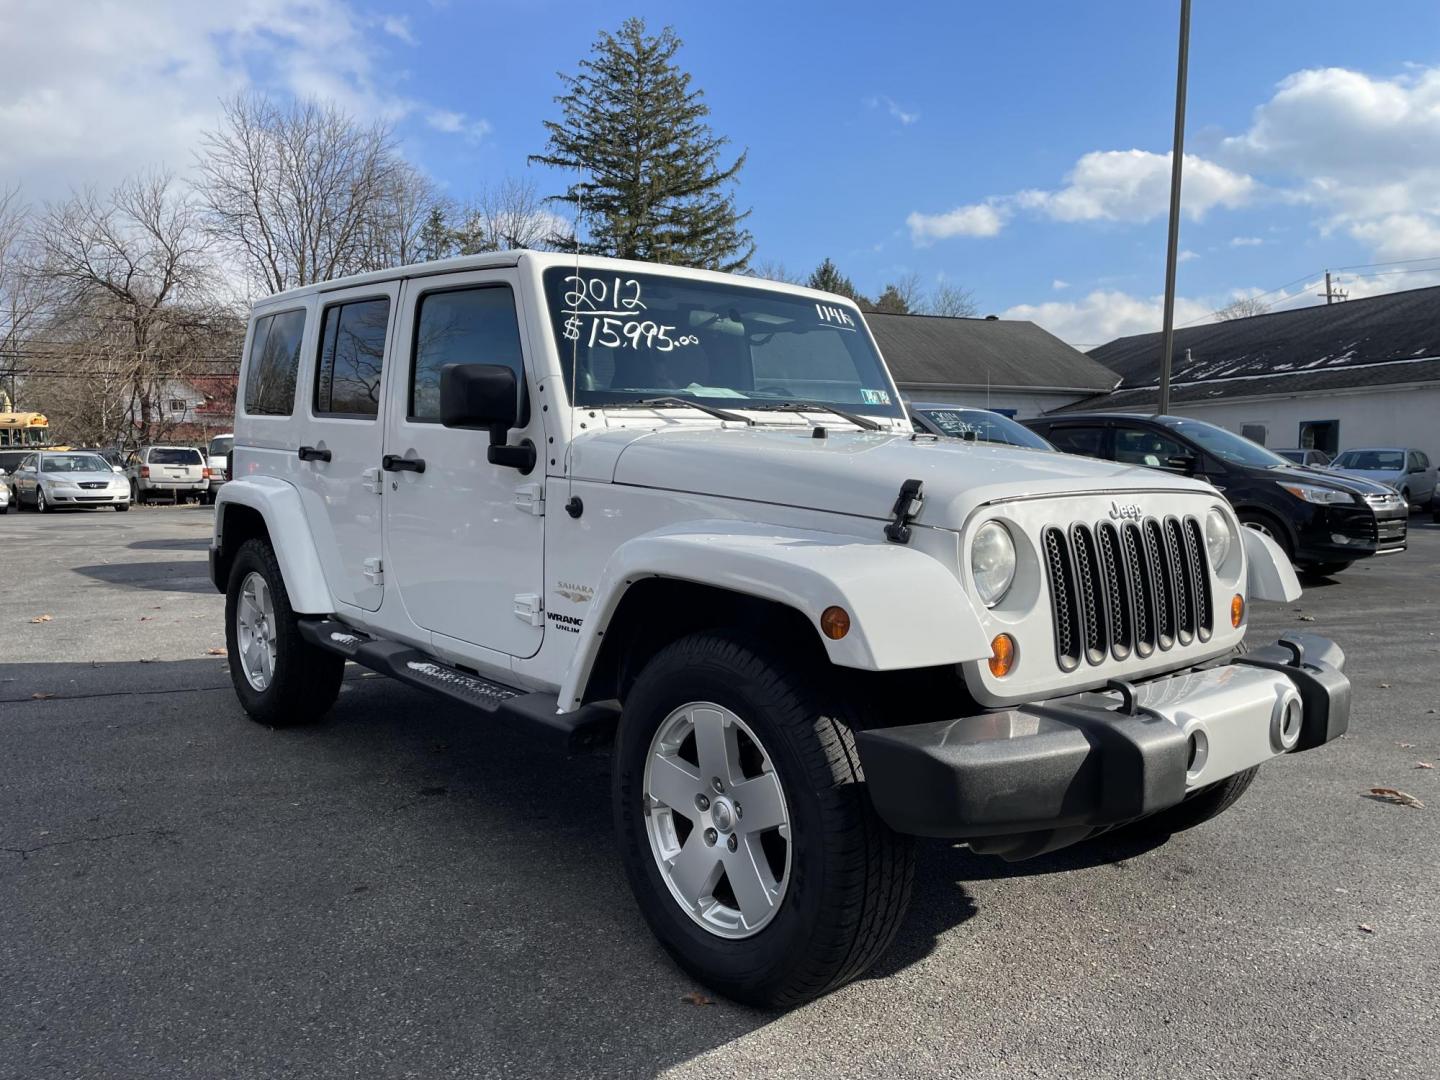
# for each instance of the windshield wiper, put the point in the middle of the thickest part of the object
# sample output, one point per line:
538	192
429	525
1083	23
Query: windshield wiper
817	406
723	414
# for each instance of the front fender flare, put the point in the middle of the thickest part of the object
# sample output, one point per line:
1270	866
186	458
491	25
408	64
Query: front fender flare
278	504
1269	575
907	610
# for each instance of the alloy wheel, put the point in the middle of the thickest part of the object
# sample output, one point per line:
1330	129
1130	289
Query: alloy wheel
717	821
255	631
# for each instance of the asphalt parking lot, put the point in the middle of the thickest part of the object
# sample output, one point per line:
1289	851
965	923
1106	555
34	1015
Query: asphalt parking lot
405	891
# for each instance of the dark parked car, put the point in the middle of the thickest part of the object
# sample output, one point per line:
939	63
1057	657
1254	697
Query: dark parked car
977	425
1324	521
1314	459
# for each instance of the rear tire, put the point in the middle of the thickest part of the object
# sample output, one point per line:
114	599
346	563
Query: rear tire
300	682
844	881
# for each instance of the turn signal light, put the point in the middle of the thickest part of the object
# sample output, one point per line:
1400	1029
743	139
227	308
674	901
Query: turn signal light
835	623
1002	655
145	472
1237	611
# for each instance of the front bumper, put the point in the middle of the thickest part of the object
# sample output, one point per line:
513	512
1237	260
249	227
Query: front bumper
1034	778
86	497
1346	533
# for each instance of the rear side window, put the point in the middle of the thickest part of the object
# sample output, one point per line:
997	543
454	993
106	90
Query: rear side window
274	359
461	326
1089	441
174	455
352	350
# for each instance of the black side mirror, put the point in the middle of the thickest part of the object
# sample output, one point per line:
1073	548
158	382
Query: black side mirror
486	397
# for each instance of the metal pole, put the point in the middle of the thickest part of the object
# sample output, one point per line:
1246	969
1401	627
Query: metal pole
1177	160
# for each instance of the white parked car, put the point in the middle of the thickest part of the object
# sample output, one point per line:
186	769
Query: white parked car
56	479
687	512
175	472
4	493
217	457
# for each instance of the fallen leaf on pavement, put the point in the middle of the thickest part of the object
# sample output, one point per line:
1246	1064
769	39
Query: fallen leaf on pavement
694	997
43	618
146	618
1405	745
41	696
1389	794
1384	686
1423	765
1367	928
216	651
1307	618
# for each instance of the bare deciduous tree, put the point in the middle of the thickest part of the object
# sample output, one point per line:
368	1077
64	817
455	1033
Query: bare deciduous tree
130	283
510	215
1242	307
952	301
774	270
299	191
20	293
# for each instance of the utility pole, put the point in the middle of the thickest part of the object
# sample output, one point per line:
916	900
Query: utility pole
1331	295
1177	160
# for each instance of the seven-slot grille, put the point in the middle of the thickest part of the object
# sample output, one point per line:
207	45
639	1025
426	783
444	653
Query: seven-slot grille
1127	588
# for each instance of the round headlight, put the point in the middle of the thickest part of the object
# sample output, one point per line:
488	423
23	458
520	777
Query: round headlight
992	562
1218	537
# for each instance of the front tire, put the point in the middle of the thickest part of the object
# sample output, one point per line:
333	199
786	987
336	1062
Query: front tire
1208	802
816	885
1265	525
41	506
1325	569
281	679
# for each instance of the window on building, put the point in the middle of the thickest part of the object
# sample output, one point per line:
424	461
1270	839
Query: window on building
352	352
1320	435
274	359
1254	432
461	326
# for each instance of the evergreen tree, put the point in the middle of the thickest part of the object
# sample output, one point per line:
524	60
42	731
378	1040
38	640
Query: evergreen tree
436	239
651	184
828	278
892	301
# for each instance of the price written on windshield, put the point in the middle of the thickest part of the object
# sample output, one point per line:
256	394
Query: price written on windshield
608	311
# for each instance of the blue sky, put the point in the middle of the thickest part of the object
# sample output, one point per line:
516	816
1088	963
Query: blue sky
1016	149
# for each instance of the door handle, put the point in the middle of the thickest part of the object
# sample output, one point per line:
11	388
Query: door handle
309	453
396	463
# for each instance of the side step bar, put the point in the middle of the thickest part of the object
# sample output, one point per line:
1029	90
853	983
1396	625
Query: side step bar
589	726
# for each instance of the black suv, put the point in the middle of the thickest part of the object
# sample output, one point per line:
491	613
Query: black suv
1323	520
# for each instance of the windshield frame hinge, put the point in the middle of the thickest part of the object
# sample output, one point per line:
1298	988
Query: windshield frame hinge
907	507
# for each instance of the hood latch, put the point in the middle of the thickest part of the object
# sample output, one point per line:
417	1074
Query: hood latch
907	507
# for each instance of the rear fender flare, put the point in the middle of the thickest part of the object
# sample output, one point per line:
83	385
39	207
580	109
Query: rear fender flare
278	504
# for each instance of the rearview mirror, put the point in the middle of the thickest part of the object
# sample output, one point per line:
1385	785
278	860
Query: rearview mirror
487	397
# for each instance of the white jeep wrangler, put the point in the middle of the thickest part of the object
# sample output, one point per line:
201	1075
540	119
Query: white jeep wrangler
686	511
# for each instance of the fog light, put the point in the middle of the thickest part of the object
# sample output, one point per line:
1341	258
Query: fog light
1339	538
835	622
1237	611
1002	655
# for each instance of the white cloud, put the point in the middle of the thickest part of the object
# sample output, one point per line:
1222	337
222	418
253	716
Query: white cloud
1104	315
1363	150
91	91
1104	185
905	117
1134	185
1059	284
457	123
1185	255
982	219
398	26
1246	241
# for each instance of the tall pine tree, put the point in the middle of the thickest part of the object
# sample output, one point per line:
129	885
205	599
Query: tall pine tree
651	184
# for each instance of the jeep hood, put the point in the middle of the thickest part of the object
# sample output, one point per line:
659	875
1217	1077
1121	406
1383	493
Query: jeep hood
860	473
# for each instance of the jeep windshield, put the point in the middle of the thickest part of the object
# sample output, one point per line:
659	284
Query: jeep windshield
632	337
